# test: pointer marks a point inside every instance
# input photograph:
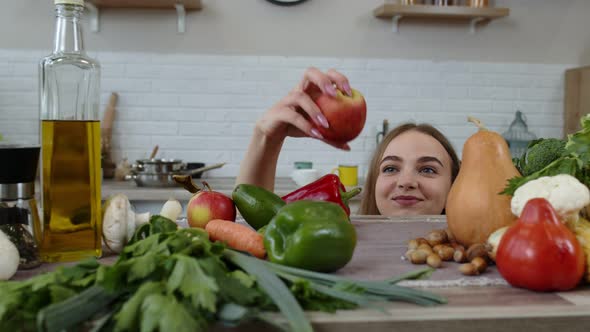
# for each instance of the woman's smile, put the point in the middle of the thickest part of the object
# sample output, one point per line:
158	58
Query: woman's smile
406	201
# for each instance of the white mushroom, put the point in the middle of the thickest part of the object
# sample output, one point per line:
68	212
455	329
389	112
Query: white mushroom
120	222
9	257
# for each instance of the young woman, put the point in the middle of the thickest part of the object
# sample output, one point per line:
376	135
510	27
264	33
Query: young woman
410	173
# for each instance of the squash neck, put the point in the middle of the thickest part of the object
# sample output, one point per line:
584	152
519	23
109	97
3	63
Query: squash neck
477	122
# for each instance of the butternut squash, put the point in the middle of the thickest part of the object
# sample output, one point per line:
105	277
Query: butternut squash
474	205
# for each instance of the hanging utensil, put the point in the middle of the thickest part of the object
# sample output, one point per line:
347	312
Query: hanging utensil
154	152
383	132
106	133
202	169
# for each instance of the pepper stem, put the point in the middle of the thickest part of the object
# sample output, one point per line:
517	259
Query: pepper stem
347	195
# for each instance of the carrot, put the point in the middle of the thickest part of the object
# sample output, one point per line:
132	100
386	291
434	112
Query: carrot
236	236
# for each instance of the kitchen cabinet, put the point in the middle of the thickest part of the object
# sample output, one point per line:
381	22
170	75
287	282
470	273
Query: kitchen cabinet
473	15
181	7
576	98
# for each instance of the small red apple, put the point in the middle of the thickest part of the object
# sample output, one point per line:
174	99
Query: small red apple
207	205
345	114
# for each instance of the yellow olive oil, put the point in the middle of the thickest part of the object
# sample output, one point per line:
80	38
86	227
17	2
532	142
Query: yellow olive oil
72	224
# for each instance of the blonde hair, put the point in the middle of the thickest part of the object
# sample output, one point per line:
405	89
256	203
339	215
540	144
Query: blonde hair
368	202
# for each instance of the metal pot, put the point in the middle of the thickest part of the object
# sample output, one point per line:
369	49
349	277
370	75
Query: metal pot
159	165
161	180
166	179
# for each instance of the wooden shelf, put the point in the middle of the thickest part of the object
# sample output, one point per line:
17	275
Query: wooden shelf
153	4
181	7
474	15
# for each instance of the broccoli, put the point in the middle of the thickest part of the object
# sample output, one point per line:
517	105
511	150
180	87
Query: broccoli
539	154
573	160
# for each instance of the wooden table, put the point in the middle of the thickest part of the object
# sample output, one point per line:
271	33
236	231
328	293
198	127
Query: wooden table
492	306
482	303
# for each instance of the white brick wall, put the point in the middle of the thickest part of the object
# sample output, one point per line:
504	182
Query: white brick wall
203	107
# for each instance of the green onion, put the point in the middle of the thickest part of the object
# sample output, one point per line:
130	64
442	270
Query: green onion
67	314
274	288
424	273
358	299
380	288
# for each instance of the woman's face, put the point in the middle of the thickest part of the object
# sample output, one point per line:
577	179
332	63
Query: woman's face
414	176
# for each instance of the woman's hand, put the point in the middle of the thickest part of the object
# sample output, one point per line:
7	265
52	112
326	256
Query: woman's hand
296	115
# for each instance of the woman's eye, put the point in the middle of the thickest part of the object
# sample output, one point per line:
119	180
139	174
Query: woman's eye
389	169
428	170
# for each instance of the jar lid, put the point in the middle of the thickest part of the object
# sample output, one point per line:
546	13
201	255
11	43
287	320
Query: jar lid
19	163
69	2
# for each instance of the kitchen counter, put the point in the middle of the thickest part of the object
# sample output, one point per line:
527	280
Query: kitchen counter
482	303
224	185
150	199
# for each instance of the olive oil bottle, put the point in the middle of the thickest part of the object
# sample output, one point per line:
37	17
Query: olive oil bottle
70	143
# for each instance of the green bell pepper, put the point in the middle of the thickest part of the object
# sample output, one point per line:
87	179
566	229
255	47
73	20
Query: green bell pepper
312	235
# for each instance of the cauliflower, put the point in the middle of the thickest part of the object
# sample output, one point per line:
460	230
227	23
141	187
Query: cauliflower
564	192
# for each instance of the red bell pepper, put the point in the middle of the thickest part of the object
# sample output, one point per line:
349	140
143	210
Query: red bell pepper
327	188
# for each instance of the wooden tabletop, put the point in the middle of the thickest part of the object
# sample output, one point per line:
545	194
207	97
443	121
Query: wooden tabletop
480	303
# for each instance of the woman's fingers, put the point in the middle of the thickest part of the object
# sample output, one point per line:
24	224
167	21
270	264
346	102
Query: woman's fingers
301	125
314	76
298	115
296	124
299	100
326	81
340	80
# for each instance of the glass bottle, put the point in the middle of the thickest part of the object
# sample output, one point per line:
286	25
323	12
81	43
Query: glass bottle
70	142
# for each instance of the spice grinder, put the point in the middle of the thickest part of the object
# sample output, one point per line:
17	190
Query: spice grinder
19	217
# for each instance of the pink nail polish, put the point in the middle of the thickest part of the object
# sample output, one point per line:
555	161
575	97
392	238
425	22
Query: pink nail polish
315	133
330	90
347	89
323	121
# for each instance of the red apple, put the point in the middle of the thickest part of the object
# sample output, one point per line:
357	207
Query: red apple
207	205
345	114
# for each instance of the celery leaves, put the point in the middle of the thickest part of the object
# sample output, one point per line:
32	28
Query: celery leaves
193	283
